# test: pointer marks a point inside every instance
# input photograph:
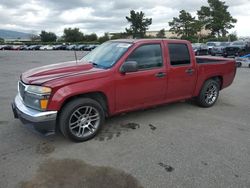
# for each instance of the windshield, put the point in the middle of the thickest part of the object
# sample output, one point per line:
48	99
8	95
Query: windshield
224	43
196	45
107	54
211	44
238	43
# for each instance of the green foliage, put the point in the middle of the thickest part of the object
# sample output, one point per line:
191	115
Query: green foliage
232	37
216	17
91	37
185	25
1	40
161	34
72	35
48	36
104	38
149	37
35	38
229	38
119	36
139	24
193	38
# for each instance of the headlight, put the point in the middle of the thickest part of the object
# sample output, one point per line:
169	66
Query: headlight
38	90
37	97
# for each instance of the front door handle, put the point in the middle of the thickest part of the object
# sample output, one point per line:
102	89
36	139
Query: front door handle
160	74
189	71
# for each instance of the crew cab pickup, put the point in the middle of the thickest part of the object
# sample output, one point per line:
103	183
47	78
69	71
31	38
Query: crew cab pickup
118	76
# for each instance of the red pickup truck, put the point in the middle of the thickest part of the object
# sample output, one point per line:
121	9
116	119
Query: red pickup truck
118	76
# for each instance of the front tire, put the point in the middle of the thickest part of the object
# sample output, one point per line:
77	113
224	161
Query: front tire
81	119
208	94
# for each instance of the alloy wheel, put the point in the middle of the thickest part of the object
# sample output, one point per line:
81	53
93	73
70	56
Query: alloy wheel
84	121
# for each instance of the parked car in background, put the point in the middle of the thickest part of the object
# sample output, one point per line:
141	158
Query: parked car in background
24	47
243	60
16	47
60	47
200	49
219	48
235	48
76	97
81	47
90	47
71	47
6	47
240	44
210	45
46	47
34	47
245	51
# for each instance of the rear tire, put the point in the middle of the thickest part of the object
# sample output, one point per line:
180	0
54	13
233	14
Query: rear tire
208	94
81	119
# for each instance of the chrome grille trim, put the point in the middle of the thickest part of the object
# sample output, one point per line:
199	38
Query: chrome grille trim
21	89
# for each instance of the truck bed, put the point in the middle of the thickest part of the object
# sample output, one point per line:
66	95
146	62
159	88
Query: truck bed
213	66
208	59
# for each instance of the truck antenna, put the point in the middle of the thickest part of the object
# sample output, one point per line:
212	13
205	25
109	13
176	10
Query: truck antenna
75	56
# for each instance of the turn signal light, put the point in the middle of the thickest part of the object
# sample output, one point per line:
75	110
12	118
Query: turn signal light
44	104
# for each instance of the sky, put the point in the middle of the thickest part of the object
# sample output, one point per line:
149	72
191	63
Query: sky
101	16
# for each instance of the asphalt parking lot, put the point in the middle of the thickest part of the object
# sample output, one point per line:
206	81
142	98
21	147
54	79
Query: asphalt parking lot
176	145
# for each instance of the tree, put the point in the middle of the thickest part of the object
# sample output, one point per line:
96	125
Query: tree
35	38
139	24
72	35
1	40
119	36
161	33
48	36
232	37
91	37
185	25
216	17
104	38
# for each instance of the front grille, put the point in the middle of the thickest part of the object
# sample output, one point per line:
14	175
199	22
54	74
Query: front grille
21	88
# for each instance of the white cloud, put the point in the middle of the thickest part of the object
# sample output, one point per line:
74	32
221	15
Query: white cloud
102	15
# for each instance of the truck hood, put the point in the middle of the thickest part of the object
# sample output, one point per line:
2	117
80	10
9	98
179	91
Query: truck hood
40	75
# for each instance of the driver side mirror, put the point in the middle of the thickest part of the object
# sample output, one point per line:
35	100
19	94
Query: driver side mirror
129	66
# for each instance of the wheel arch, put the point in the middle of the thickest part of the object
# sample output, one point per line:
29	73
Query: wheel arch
98	96
218	79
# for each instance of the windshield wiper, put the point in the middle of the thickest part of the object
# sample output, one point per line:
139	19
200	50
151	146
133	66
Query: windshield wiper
97	65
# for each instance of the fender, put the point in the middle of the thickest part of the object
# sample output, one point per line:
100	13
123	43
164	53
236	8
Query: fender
105	86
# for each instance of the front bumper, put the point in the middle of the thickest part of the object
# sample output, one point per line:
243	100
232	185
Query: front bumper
43	122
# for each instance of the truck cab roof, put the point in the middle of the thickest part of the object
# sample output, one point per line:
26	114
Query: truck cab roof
149	40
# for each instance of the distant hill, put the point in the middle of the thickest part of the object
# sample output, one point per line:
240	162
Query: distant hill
8	34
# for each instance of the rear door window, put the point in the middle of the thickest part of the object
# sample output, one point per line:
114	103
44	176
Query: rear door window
179	54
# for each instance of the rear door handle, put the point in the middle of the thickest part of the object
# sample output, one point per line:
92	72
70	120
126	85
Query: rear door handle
160	74
189	71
